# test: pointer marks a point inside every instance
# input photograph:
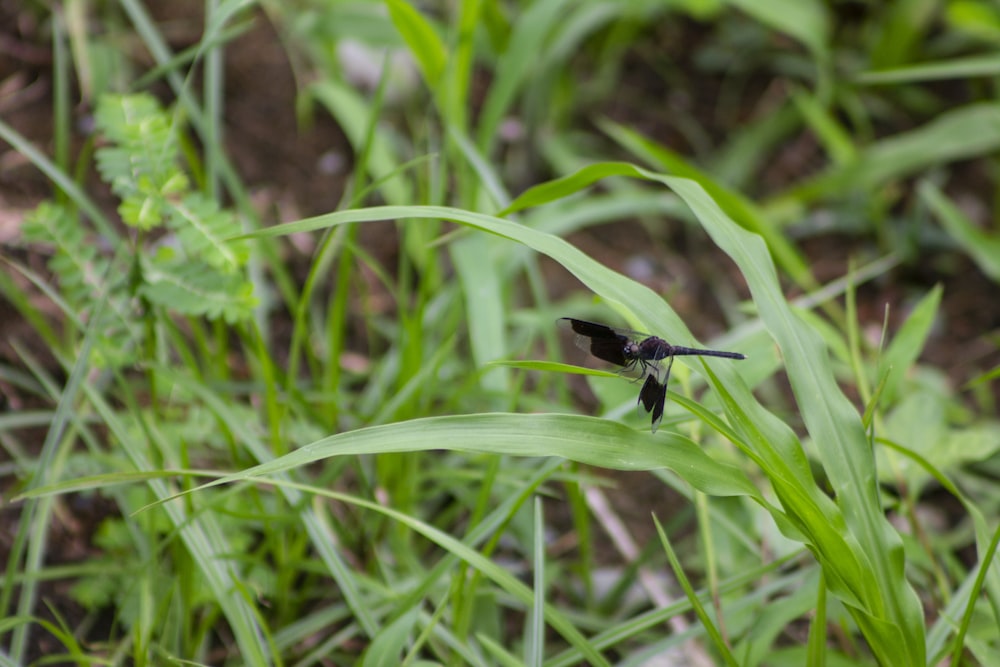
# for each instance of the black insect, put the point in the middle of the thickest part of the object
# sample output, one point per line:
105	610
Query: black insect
631	350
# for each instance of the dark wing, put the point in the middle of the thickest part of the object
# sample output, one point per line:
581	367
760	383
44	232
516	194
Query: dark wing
652	396
591	329
600	340
649	392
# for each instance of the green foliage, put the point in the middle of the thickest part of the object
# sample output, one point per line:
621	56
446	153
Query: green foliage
373	474
199	275
193	271
981	246
141	163
195	288
77	262
93	293
859	552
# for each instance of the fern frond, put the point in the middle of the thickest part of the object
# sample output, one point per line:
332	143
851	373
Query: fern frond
196	288
202	229
78	266
199	275
141	165
121	333
85	279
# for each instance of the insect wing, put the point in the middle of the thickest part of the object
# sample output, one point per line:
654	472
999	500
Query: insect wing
597	330
652	396
600	340
610	350
647	395
661	398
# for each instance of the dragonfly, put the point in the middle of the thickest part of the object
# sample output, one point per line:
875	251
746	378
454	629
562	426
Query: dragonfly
634	350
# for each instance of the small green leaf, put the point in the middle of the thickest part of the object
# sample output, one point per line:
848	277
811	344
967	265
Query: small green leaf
202	229
95	592
141	211
195	288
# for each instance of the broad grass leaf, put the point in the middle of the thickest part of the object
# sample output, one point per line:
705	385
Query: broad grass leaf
589	440
869	560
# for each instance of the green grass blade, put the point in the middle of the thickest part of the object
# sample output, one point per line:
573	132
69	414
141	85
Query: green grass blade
645	305
516	64
534	644
352	114
476	264
985	534
836	139
499	575
958	647
699	609
816	646
585	439
982	247
205	540
422	40
390	643
959	134
909	341
956	68
890	616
